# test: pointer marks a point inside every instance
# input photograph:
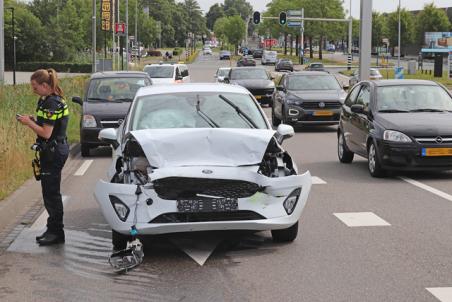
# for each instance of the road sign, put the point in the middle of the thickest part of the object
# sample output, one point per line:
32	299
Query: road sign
293	23
106	15
294	13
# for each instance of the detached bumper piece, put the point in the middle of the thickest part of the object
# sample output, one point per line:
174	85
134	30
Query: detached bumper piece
124	260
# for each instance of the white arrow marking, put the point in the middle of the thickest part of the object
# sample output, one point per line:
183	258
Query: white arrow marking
199	248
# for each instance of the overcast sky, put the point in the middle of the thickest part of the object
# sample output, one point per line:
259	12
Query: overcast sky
379	5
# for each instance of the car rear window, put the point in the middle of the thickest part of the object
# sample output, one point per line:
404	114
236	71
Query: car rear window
158	71
249	73
111	89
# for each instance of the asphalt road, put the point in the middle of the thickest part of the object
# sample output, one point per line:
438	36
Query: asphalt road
400	253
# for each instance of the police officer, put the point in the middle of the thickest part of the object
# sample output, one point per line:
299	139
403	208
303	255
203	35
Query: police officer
50	125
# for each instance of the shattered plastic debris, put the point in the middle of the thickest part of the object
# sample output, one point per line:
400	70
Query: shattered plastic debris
124	260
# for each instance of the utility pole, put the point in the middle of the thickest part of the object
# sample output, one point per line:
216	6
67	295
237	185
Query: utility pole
127	34
301	51
93	36
2	46
137	46
365	40
398	50
14	45
113	28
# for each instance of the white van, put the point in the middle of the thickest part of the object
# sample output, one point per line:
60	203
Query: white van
168	73
269	57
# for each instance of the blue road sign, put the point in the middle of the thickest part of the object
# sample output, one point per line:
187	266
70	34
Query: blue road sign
294	23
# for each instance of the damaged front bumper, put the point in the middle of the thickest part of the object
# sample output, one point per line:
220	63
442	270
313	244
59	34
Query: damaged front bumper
153	212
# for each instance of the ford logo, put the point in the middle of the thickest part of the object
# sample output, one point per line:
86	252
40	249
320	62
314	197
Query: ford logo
207	171
322	105
439	139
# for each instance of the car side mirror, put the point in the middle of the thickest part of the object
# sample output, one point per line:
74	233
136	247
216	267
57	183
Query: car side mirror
357	108
280	88
179	78
345	86
226	79
77	99
110	136
284	132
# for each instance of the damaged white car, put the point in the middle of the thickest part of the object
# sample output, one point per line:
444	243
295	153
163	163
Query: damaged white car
199	157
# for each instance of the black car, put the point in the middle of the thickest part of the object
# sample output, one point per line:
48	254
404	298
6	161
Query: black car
315	67
257	53
284	64
246	61
397	125
107	99
307	98
256	80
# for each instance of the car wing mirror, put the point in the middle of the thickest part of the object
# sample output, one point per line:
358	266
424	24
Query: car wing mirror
280	88
345	86
226	79
357	108
110	136
284	132
77	99
179	78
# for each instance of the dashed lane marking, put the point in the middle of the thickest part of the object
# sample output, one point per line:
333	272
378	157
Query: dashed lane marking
83	168
361	219
443	294
317	181
427	188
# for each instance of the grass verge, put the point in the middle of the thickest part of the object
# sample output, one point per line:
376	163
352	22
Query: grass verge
16	139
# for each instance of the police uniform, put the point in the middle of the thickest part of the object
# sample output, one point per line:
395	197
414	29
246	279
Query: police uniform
53	110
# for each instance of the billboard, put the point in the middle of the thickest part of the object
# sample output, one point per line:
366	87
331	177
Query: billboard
106	15
438	40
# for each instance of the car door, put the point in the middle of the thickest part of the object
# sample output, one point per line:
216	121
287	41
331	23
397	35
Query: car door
347	117
360	121
279	96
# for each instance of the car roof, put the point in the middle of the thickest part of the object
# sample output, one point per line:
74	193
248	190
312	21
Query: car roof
248	68
382	83
191	87
119	74
309	72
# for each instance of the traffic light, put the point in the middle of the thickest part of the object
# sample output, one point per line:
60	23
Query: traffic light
282	18
256	17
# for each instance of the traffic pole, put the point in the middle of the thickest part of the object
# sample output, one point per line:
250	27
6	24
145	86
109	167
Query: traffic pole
2	46
301	51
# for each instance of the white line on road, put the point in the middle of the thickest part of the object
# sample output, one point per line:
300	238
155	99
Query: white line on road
361	219
444	294
427	188
41	222
83	168
317	181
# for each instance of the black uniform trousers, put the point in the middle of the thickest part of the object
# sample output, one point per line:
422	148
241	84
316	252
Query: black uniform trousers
52	162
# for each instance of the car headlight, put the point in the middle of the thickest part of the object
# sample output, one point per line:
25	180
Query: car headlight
396	136
120	208
89	121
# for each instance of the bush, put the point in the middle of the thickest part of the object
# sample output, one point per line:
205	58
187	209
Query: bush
177	51
58	66
154	53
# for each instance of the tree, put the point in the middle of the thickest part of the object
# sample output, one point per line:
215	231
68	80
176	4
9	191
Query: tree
215	12
235	30
407	28
220	28
379	30
430	19
238	7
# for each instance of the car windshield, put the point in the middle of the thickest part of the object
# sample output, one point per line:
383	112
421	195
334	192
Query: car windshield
159	71
223	72
194	110
115	89
249	74
413	98
313	82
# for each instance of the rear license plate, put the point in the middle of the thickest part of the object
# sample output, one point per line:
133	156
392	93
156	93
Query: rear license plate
323	113
258	97
207	205
436	151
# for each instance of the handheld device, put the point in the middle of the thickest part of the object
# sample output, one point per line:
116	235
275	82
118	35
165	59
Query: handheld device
18	116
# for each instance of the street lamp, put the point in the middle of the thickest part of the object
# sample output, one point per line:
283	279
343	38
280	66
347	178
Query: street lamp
14	44
398	50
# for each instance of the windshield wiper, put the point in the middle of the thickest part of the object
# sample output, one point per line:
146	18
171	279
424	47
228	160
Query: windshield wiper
239	111
205	116
98	99
426	110
392	110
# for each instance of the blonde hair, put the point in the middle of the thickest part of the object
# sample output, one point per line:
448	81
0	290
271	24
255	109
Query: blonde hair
48	76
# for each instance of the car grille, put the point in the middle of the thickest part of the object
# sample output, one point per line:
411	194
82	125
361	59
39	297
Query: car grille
316	105
111	123
434	139
181	187
204	217
261	91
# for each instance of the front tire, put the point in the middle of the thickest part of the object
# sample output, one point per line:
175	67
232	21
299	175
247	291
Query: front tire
286	235
85	150
119	240
343	153
373	162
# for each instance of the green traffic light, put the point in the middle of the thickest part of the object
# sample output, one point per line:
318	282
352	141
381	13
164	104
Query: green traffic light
282	18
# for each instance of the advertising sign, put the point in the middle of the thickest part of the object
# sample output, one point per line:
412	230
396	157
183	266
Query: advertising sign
105	17
270	42
438	41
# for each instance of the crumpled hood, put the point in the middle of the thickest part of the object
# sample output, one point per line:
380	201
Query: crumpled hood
203	146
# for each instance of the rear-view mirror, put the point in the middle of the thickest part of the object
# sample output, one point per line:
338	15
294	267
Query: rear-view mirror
357	108
110	136
77	99
284	132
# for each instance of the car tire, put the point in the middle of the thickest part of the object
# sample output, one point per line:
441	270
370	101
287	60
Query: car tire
373	162
275	121
343	153
119	240
286	235
84	150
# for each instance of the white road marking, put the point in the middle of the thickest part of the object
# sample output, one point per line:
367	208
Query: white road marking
444	294
83	167
317	181
427	188
199	249
41	222
361	219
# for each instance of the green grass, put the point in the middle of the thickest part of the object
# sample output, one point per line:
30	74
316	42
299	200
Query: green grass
16	139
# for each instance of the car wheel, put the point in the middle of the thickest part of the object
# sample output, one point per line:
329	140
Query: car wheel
275	121
119	240
85	150
373	161
286	235
344	154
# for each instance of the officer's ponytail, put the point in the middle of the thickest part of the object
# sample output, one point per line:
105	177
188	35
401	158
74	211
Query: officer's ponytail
48	76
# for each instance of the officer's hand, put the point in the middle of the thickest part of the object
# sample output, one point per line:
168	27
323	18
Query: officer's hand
25	119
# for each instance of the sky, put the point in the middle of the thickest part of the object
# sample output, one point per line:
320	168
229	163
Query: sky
378	5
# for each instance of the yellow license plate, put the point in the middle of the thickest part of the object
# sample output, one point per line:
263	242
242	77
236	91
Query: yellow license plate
323	113
258	97
436	151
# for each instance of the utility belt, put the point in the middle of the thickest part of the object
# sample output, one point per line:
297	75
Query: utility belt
43	146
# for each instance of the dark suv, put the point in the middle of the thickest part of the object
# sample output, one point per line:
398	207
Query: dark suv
107	99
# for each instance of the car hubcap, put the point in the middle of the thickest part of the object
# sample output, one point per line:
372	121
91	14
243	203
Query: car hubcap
372	158
340	146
